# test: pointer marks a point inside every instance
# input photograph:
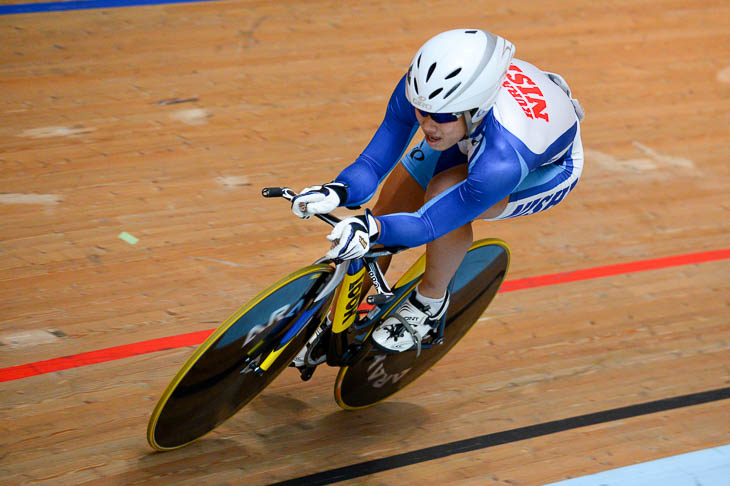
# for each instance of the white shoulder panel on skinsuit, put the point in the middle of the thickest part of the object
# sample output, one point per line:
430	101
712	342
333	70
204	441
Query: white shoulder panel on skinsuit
532	107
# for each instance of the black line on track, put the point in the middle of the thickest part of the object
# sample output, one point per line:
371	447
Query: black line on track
483	441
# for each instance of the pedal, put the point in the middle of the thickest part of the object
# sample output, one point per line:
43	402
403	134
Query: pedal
306	372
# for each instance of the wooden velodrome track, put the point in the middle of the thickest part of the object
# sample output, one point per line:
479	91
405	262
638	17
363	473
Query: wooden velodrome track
165	121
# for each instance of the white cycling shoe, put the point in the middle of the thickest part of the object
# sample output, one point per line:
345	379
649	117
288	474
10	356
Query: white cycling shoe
406	327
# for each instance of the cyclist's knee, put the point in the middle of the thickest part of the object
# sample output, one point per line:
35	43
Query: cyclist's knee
445	180
400	193
383	206
495	210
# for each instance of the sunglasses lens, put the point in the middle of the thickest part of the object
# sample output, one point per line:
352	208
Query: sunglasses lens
439	117
443	117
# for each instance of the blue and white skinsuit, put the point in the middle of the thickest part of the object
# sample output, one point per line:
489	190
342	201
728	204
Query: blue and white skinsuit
527	147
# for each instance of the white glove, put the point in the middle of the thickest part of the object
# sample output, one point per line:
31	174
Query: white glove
352	236
319	199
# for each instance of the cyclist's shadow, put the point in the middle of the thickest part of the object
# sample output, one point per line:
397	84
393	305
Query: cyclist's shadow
355	431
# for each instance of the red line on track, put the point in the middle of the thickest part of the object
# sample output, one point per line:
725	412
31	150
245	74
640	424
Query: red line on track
195	338
618	269
102	355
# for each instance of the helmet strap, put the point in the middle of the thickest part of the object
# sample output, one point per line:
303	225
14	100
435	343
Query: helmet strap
470	125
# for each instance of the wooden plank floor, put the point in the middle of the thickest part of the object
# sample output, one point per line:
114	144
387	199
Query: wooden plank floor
165	121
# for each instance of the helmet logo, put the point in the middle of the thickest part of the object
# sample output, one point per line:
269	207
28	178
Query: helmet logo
420	101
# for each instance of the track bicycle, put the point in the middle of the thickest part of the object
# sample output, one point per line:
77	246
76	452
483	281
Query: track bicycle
252	347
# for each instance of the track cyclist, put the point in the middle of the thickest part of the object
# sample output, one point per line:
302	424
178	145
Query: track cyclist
501	140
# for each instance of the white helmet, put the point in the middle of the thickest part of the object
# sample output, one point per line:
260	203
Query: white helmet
459	71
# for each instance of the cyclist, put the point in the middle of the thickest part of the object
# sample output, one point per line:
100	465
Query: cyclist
501	139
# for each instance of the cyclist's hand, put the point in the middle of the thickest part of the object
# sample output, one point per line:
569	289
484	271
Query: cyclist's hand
319	199
352	236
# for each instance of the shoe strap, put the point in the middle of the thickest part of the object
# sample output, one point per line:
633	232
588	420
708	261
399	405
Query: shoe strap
416	337
426	309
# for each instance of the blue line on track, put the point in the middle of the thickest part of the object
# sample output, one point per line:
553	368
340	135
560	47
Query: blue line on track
84	5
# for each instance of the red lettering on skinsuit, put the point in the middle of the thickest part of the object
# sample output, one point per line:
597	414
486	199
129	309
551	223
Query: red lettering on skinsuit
519	85
538	108
533	90
519	78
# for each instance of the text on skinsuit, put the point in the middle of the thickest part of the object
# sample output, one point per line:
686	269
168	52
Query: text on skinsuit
541	204
526	93
377	376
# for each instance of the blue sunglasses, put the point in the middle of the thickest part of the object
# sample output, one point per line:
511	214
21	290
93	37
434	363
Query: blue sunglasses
441	117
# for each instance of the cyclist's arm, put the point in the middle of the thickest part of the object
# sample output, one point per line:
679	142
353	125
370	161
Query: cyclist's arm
384	150
494	175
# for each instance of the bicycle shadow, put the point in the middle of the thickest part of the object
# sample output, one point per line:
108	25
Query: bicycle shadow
392	420
351	433
277	426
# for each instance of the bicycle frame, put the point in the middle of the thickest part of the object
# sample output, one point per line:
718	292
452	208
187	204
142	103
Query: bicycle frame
347	281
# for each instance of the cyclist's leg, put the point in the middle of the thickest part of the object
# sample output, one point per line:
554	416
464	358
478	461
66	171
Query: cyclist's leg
405	188
401	192
444	255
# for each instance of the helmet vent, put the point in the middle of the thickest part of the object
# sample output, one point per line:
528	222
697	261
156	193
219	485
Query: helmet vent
418	63
454	73
452	90
415	85
430	71
470	31
408	76
435	93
